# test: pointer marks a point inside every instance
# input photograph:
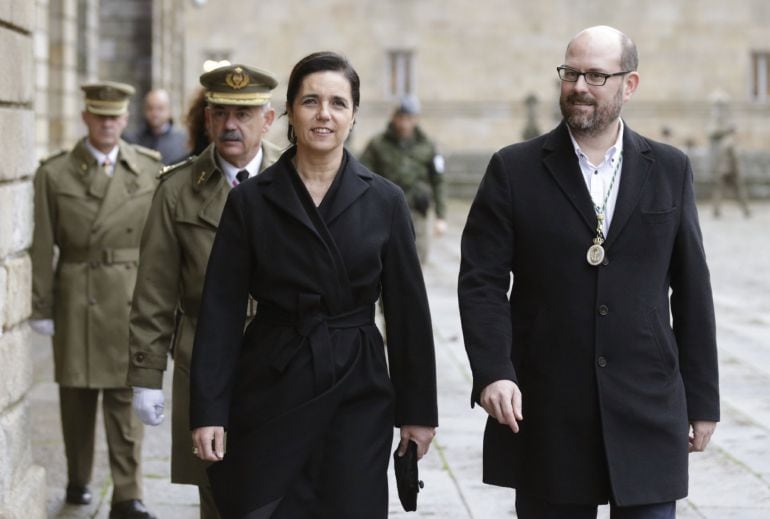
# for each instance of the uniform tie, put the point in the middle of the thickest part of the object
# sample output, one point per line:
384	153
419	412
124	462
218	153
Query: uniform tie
242	175
107	167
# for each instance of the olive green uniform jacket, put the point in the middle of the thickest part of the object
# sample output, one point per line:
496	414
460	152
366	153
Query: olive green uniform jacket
411	165
95	221
175	250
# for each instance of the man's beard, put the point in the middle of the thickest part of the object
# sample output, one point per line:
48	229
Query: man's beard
590	124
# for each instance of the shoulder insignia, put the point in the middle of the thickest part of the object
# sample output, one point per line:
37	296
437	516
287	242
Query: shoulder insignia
52	156
148	152
171	168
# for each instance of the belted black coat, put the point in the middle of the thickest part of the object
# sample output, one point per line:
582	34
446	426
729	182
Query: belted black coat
608	383
315	282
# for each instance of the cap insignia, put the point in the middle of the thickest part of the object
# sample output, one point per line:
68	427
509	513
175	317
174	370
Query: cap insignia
237	79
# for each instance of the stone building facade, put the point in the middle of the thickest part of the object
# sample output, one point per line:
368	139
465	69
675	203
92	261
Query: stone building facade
474	64
22	484
49	48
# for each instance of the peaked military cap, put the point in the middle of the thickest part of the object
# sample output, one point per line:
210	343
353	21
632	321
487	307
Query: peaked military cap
238	85
107	97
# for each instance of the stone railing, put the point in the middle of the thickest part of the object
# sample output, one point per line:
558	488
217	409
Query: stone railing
464	172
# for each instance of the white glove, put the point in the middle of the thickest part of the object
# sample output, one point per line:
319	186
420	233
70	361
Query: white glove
148	405
42	326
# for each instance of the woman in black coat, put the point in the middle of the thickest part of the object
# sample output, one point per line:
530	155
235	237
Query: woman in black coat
305	393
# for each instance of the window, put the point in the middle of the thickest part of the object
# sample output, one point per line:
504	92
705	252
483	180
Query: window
760	75
400	72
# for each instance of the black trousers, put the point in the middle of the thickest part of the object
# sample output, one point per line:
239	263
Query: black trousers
528	507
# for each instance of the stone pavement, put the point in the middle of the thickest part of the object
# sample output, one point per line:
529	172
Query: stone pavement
730	480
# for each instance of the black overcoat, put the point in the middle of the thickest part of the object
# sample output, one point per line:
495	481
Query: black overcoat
315	285
608	382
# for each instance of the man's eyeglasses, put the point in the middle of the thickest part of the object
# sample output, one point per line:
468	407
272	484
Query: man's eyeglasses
571	75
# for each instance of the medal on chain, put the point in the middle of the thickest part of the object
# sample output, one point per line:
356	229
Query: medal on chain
596	253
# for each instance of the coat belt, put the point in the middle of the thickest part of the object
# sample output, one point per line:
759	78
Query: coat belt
103	256
312	326
191	308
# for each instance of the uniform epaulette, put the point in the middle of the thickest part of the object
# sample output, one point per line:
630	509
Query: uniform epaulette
52	156
148	152
167	170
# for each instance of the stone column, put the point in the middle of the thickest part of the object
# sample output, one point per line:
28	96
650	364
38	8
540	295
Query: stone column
125	48
22	484
63	99
168	34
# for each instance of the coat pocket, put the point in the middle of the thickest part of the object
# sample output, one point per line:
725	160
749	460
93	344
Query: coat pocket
665	342
659	217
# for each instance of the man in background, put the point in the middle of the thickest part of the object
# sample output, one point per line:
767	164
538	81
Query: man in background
91	204
406	156
158	131
175	250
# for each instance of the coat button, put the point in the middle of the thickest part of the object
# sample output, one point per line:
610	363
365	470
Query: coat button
601	362
603	310
94	264
91	301
606	261
139	357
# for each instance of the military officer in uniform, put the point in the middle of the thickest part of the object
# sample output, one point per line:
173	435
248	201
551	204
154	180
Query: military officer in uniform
405	155
175	249
723	156
91	204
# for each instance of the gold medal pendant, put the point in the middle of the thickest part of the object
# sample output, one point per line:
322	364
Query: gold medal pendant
595	255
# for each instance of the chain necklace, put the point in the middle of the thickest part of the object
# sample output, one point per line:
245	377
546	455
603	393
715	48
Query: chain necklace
596	253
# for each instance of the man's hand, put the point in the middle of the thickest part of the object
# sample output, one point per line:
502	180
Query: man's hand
42	326
209	443
148	405
701	435
419	434
502	401
439	227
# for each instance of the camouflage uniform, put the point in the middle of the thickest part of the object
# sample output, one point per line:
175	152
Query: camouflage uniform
415	165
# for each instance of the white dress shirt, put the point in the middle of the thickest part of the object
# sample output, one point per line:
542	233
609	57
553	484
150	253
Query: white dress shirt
598	178
100	157
230	171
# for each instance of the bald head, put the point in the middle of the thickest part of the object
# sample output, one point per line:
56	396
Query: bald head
606	40
157	109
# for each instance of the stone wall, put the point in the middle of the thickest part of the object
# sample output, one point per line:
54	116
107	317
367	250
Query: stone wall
168	53
22	484
464	172
475	63
62	105
125	48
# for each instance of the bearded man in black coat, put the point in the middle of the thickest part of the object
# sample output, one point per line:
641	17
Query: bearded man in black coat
599	370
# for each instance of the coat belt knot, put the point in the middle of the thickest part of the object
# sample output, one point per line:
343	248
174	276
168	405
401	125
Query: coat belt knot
312	326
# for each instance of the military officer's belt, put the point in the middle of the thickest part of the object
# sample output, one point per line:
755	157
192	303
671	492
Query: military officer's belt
103	256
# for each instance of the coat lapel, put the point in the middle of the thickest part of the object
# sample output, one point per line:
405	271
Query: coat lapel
209	181
355	182
116	194
280	192
562	163
84	168
637	165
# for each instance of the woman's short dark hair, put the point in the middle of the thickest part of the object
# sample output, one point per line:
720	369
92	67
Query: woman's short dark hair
321	62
